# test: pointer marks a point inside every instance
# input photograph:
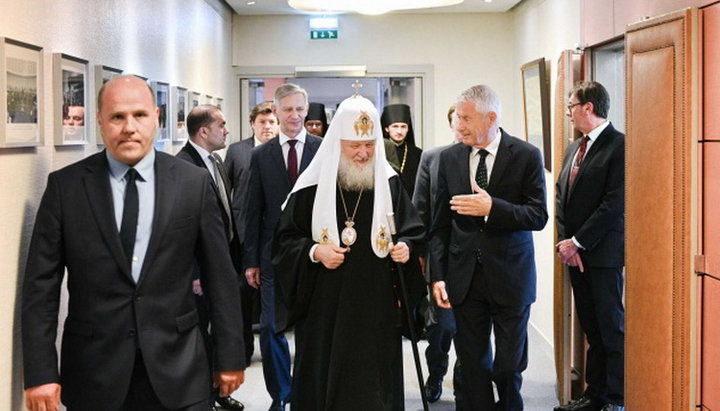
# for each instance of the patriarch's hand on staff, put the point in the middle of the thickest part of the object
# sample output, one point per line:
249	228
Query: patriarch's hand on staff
228	381
400	252
252	275
440	295
44	397
330	255
477	204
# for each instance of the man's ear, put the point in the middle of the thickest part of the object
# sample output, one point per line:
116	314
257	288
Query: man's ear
493	116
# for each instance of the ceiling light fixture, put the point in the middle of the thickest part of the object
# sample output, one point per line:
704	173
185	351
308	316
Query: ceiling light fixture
372	7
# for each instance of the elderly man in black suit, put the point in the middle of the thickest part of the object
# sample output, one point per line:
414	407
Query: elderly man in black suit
590	214
207	130
237	163
490	196
274	168
128	224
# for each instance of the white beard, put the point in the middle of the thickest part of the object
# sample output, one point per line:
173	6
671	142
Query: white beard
355	177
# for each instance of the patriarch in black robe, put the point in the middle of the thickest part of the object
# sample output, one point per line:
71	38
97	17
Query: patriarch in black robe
336	271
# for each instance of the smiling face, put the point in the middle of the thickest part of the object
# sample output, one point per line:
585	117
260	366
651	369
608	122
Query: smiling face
474	127
291	111
359	152
127	118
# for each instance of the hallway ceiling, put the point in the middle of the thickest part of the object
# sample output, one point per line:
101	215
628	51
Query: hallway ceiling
281	7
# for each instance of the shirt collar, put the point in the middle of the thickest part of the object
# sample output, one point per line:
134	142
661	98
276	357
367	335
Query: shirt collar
144	167
493	147
203	153
300	137
595	133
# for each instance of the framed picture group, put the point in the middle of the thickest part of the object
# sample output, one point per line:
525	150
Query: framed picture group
72	91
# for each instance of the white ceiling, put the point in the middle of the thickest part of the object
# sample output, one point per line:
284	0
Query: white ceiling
281	7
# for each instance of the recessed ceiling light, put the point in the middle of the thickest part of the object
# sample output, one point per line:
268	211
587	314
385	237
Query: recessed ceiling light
251	3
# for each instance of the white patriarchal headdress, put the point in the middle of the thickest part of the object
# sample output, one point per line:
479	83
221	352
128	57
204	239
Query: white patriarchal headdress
356	119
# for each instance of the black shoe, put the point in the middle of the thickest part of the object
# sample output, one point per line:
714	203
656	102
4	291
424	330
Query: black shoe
433	390
230	403
583	403
613	407
277	405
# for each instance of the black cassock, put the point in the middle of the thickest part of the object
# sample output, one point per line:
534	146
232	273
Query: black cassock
348	335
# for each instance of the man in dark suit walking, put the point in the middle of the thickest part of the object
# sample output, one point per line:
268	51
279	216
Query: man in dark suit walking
440	321
590	213
128	224
206	127
490	196
274	168
237	163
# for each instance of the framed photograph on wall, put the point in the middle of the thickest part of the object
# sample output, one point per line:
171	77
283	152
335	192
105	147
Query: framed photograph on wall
162	99
194	100
179	97
208	99
536	107
70	100
103	74
20	94
219	103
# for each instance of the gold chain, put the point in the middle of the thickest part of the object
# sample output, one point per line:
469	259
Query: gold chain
342	197
402	166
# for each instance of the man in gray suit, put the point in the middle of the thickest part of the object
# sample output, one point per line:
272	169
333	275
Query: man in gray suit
128	224
237	163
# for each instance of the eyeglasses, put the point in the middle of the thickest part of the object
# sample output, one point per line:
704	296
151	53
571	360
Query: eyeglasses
570	106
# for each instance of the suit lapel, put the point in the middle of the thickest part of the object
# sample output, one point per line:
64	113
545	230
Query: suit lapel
504	155
195	155
99	195
165	196
308	152
596	147
463	163
276	155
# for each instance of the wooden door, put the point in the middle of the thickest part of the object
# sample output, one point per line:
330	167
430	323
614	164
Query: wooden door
569	346
661	208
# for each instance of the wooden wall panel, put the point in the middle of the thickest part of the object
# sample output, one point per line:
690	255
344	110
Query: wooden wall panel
658	213
711	343
711	70
602	20
711	205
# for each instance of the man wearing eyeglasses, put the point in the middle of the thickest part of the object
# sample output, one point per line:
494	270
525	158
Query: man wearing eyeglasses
590	208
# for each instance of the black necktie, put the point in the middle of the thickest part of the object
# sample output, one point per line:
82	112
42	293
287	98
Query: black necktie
481	177
128	227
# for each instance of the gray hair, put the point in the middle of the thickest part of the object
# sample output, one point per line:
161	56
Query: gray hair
485	99
288	89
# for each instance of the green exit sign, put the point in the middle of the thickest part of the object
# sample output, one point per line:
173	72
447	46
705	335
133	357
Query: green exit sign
323	34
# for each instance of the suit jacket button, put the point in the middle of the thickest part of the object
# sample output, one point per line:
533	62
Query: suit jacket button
131	333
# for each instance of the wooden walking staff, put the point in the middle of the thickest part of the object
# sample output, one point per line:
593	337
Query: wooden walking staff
408	313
